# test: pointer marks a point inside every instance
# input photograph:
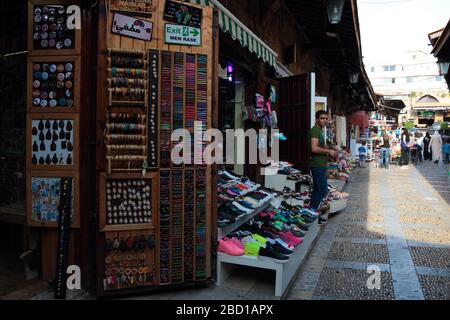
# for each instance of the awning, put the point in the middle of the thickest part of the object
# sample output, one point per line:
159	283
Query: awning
238	31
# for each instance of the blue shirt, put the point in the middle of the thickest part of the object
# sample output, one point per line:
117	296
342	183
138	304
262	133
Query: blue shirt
362	150
446	148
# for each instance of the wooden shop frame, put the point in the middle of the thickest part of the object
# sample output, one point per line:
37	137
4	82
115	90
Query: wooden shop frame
53	174
53	116
153	176
76	89
50	52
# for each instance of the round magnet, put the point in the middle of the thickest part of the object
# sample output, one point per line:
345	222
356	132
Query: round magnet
37	10
44	28
69	67
61	10
52	94
59	45
43	103
69	102
36	101
44	35
45	10
52	35
60	84
60	68
60	76
36	83
36	67
44	95
67	42
53	103
53	27
36	35
51	19
69	75
59	27
68	93
36	93
45	17
52	85
37	28
37	75
52	67
60	20
51	11
44	76
52	43
37	18
69	84
62	102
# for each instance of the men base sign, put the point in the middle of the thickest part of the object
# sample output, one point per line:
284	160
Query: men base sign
182	35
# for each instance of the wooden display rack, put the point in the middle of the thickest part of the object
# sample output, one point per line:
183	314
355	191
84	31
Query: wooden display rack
106	103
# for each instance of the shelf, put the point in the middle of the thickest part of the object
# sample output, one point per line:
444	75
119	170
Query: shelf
222	232
285	272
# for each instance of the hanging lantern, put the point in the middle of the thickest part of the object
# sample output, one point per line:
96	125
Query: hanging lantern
334	10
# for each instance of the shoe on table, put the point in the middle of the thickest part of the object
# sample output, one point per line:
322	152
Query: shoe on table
228	247
322	221
270	253
283	248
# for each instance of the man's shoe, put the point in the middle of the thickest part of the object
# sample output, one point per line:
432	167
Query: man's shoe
270	253
322	221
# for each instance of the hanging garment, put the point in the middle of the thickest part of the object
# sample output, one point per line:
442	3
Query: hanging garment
341	131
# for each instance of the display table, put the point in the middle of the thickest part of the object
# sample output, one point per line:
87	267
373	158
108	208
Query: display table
279	181
285	272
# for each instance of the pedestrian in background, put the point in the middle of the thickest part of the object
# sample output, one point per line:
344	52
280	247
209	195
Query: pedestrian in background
384	146
446	150
436	147
404	142
426	147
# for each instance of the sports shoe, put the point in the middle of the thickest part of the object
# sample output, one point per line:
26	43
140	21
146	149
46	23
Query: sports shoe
270	253
241	207
284	244
280	136
322	221
226	246
288	235
283	249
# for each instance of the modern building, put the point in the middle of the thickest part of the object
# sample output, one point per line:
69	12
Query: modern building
413	78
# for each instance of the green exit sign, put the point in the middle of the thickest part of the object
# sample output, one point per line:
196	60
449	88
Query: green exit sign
182	35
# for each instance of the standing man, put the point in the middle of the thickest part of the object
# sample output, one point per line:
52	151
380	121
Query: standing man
426	147
385	147
319	161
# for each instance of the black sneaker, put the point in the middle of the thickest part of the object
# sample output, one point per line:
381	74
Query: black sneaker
322	221
270	253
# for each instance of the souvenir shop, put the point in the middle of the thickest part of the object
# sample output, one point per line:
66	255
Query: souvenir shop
151	223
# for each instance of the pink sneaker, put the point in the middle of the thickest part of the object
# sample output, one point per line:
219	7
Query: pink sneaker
229	248
289	236
235	241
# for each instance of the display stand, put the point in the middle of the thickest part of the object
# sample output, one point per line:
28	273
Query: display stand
279	181
285	272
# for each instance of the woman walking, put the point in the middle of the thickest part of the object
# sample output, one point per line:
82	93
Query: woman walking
436	147
404	141
426	147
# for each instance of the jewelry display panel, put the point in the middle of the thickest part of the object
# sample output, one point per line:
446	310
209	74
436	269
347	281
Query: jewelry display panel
129	259
50	28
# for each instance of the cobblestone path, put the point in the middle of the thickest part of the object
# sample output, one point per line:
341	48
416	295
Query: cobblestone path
397	222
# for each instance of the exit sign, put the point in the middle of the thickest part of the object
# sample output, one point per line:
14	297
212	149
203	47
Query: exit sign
182	35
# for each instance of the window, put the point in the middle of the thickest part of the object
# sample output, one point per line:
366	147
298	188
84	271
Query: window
289	54
387	80
372	69
409	79
389	68
392	80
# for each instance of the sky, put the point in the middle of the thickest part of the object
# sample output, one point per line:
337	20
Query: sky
390	27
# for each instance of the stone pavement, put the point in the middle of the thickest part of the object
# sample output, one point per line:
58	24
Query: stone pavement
398	223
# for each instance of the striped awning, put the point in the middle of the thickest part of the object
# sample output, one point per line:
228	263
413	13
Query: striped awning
238	31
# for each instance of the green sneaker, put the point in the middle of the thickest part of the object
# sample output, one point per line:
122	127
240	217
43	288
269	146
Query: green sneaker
251	248
259	239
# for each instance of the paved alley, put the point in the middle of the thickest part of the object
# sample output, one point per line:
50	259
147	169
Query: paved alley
397	222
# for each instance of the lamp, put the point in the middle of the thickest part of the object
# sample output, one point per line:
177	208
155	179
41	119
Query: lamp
334	10
230	70
353	77
443	67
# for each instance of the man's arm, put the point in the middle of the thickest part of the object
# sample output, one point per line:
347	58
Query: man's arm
319	150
